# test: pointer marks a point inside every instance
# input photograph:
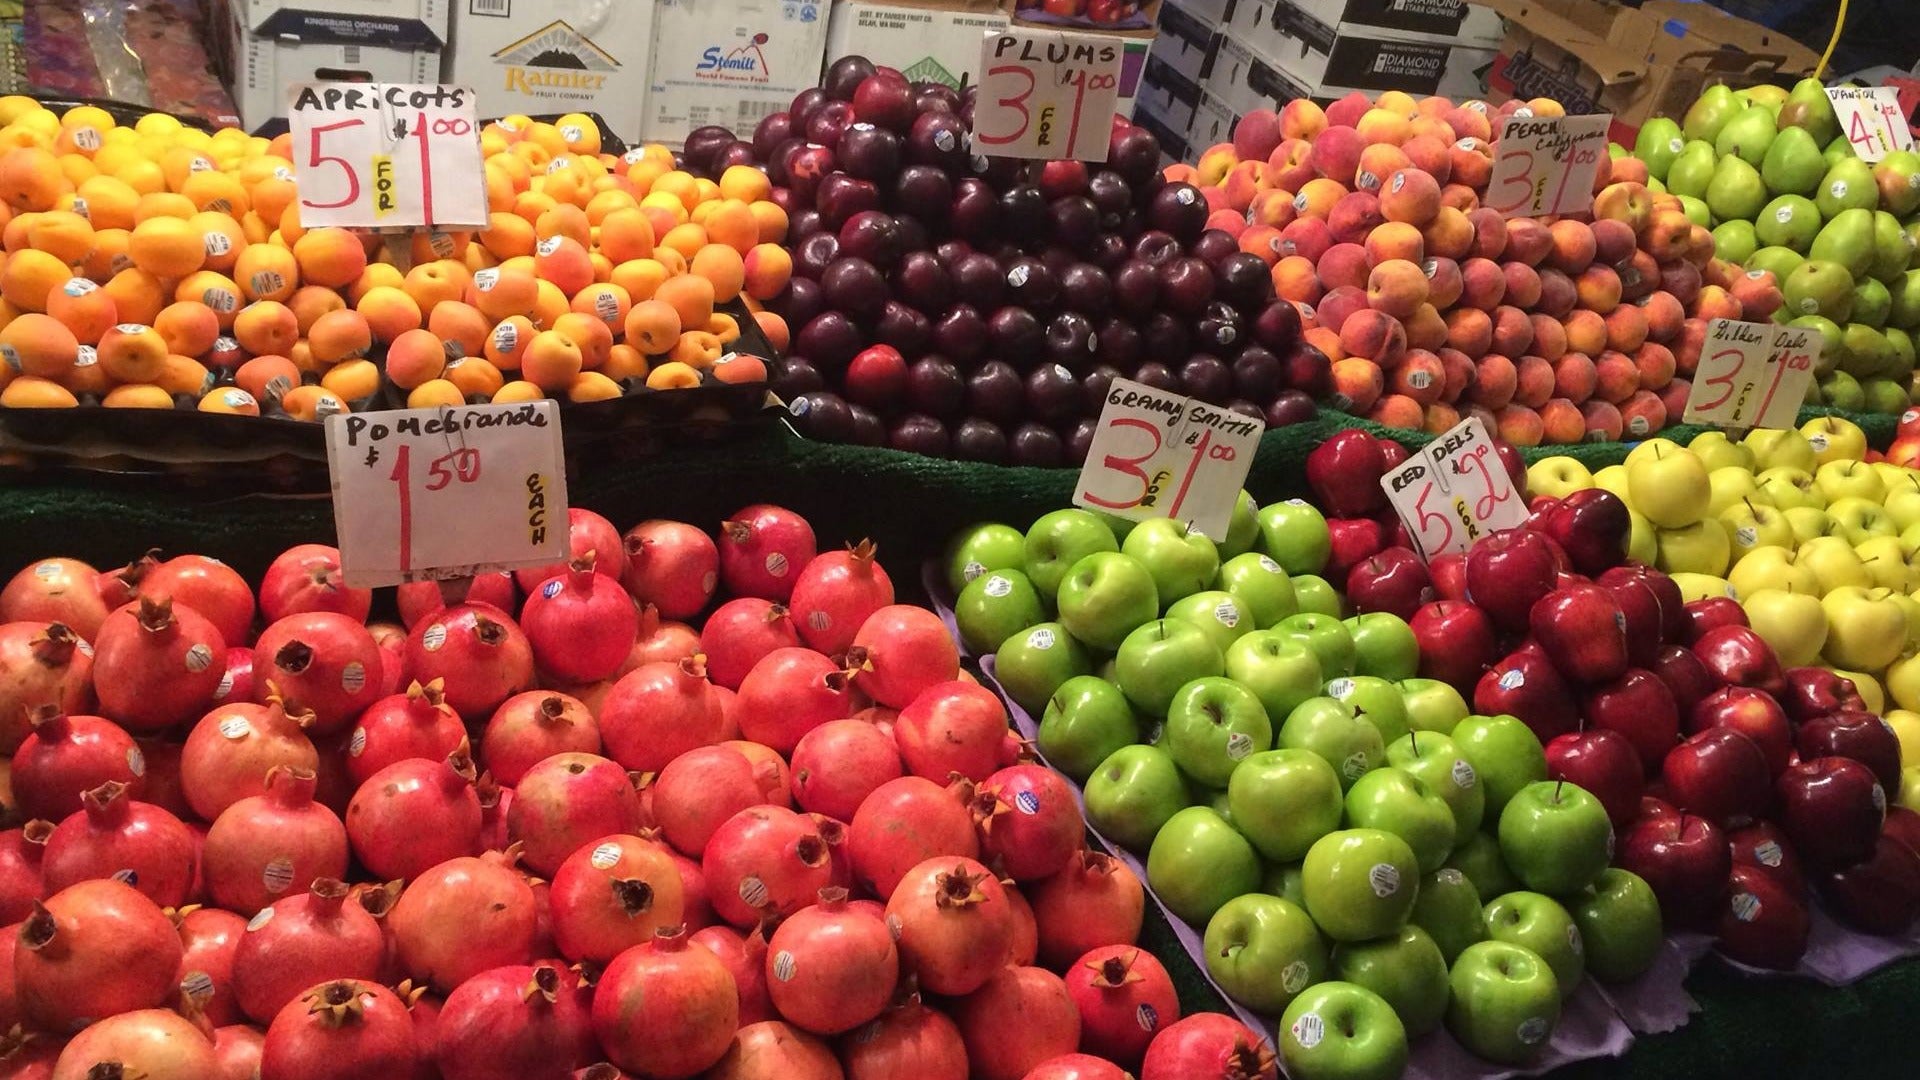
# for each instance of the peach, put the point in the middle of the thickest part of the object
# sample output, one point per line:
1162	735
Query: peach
1460	373
1294	278
1549	336
1396	287
1625	170
1257	133
1317	198
1639	276
1377	162
1226	219
84	308
1354	216
1664	316
1546	107
1528	240
1512	331
1586	332
1337	304
1395	240
266	272
1307	237
1626	328
1272	207
1460	197
1382	126
1573	245
1429	154
340	335
1469	121
1494	381
1243	182
1375	335
1450	233
1629	204
1349	109
1336	152
1561	423
1357	384
329	256
1426	329
1419	376
1290	165
1599	289
1489	233
1643	414
1519	425
1261	240
1398	411
1574	377
1523	284
1441	418
1681	280
1302	119
1469	330
1325	340
1616	377
1656	363
1410	195
1758	294
1343	264
1557	294
1603	420
1667	235
1483	284
1214	164
1699	245
1673	398
1444	281
189	329
1472	160
1613	241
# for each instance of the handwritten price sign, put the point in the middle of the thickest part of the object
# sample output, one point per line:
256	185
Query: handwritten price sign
1157	454
1752	375
1046	94
1454	492
1872	119
1546	165
387	155
420	495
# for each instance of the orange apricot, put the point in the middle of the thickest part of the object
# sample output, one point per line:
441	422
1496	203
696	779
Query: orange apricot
31	277
551	361
503	291
516	392
340	335
673	376
329	256
230	400
415	357
475	376
592	386
63	234
774	328
435	393
352	379
312	403
626	234
722	266
267	378
189	328
309	302
167	247
431	283
266	272
221	237
389	312
697	349
624	362
641	278
461	326
604	301
30	178
39	345
563	261
133	353
137	295
508	342
766	270
217	291
653	326
85	308
32	392
185	375
741	368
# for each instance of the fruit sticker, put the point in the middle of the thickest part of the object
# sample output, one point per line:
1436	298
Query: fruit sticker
1308	1030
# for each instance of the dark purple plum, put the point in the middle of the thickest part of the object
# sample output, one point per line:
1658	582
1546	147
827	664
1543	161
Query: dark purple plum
1023	214
772	130
822	416
1136	286
868	428
815	254
1157	375
1108	251
793	376
802	223
925	191
1258	374
918	433
913	234
996	393
975	216
935	386
978	280
829	340
703	145
1032	284
1213	245
854	286
935	96
800	301
1219	328
1277	326
884	100
1156	248
940	140
734	153
869	152
962	334
1247	409
1111	193
1120	344
841	196
923	282
1017	335
903	328
1134	153
1186	286
1087	289
1080	440
1059	258
782	155
844	76
1206	377
1244	280
951	249
872	235
980	440
1290	407
1053	393
1074	221
807	169
1165	334
1308	370
1094	386
1071	341
829	123
1177	208
1035	445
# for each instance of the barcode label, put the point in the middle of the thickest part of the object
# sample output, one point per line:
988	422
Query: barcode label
500	8
752	112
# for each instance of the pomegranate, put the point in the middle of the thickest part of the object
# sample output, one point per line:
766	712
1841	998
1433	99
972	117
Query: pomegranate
320	661
229	753
1123	996
147	1044
480	654
1095	901
1023	945
660	639
531	727
29	1056
94	949
66	755
425	1009
789	693
1030	825
698	791
739	633
496	803
901	650
154	664
745	956
236	682
115	837
953	923
419	599
162	784
831	968
836	592
516	1023
659	712
236	1052
209	587
771	1050
40	663
566	801
580	624
838	764
769	768
663	1009
1208	1046
762	549
416	724
56	590
307	577
462	917
335	788
392	639
261	845
907	1040
765	861
587	533
952	727
672	566
414	814
1077	1067
904	823
377	900
120	587
340	1030
610	896
209	940
301	940
696	910
1019	1018
22	853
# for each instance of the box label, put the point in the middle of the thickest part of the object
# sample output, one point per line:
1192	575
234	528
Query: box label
387	155
323	26
1417	16
1871	119
1047	94
1366	64
1454	491
1158	454
1752	375
556	63
1547	165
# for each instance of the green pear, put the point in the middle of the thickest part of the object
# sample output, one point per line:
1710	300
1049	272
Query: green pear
1903	347
1842	391
1696	211
1911	227
1781	260
1892	247
1808	107
1847	185
1885	396
1837	151
1715	108
1793	164
1868	352
1847	238
1790	221
1748	135
1656	185
1871	302
1898	177
1830	339
1735	241
1659	143
1819	287
1815	395
1736	190
1905	311
1692	169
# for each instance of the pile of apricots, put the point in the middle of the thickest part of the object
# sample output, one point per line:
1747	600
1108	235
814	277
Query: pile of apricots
159	266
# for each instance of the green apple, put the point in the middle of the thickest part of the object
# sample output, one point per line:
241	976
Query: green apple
1840	478
1216	612
1555	836
974	551
1159	658
1730	486
1393	800
1283	801
1294	534
1504	1002
1032	663
1478	857
1716	451
1834	563
1793	623
1558	476
1538	923
1263	951
1104	596
1213	724
1280	670
1776	447
1407	970
1383	645
1087	719
994	605
1198	862
1619	921
1772	568
1057	541
1262	587
1703	547
1120	526
1325	636
1317	597
1332	729
1505	755
1339	1031
1788	486
1375	700
1436	761
1432	705
1181	560
1133	794
1283	881
1359	883
1243	527
1866	630
1448	909
1834	438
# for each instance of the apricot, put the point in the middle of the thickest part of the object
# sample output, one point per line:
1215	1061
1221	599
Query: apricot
604	301
741	368
188	328
507	235
167	247
697	349
352	380
61	233
415	357
30	178
133	353
673	376
185	375
725	327
592	386
503	291
39	345
594	337
388	311
551	361
109	202
84	308
137	295
312	403
653	326
563	261
434	244
31	277
461	326
437	282
508	342
109	254
217	291
267	378
33	392
475	376
329	256
624	362
518	391
772	221
266	272
562	220
309	302
691	296
723	267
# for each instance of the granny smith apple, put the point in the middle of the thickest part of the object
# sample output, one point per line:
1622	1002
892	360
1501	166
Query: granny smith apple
1181	560
1505	755
1432	705
1375	699
994	605
1159	658
1263	951
1619	921
1087	719
1340	1031
1279	670
1285	800
1283	880
1104	597
1359	883
1262	586
1243	527
1448	909
1435	760
1198	862
1407	970
1213	724
1383	645
1504	1002
1316	595
1057	541
1219	613
1394	801
1478	857
1294	534
1331	728
991	546
1555	836
1032	663
1327	636
1538	922
1133	793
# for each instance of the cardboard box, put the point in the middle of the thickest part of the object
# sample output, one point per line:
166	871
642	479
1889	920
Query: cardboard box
1186	42
1212	123
1457	21
928	40
1250	24
1168	97
542	57
730	64
1173	144
259	68
1331	61
1091	15
1247	82
392	23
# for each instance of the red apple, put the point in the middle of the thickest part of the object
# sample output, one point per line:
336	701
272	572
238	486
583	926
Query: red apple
1507	573
1763	924
1713	611
1881	893
1539	509
1449	573
1395	581
1524	683
1584	632
1591	525
1903	825
1653	806
1813	691
1719	774
1686	677
1641	605
1639	707
1344	473
1753	713
1456	642
1684	858
1831	809
1861	736
1516	465
1739	657
1353	541
1605	764
1392	453
1764	846
1673	608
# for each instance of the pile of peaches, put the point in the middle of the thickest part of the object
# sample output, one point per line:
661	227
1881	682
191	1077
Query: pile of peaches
1432	306
157	266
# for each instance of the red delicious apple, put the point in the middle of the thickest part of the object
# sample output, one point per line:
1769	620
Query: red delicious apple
1684	858
1640	604
1591	525
1353	541
1655	805
1861	736
1753	713
1686	677
1516	465
1813	691
1737	656
1831	809
1539	509
1583	631
1392	453
1639	706
1673	609
1344	473
1449	573
1524	683
1394	580
1605	764
1763	924
1881	893
1507	573
1710	612
1764	846
1456	642
1903	825
1720	774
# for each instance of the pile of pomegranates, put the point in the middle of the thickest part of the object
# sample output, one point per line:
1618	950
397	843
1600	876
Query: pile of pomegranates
541	827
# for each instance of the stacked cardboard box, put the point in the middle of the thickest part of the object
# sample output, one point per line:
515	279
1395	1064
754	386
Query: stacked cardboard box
730	64
262	47
542	57
927	40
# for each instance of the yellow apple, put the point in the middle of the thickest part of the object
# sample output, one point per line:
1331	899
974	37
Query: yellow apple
1910	603
1755	526
1720	452
1857	520
1903	685
1886	562
1642	542
1896	477
1872	694
1701	586
1789	487
1807	522
1700	548
1772	568
1866	630
1793	623
1910	788
1834	438
1671	487
1774	447
1732	486
1558	476
1834	563
1906	727
1614	479
1660	446
1903	506
1839	479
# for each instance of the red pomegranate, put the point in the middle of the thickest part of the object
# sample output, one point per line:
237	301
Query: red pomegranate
1078	1067
516	1023
307	577
340	1030
1023	946
698	791
481	656
660	640
260	846
66	755
22	853
909	1039
120	587
115	837
1208	1046
789	693
739	633
41	663
771	1050
94	949
415	814
762	550
419	599
147	1044
696	909
611	895
209	940
496	803
745	957
416	724
566	801
838	764
236	1052
1019	1018
155	664
765	861
531	727
229	753
835	593
162	785
580	624
831	968
664	1009
587	533
1095	901
671	565
302	940
769	768
392	639
952	727
209	587
462	917
659	712
56	590
1030	825
899	651
905	822
29	1057
1124	996
953	922
424	1008
236	682
321	661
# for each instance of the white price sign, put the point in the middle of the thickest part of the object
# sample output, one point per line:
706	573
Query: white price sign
1752	375
1454	491
1157	454
387	155
1046	94
422	495
1546	165
1871	119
